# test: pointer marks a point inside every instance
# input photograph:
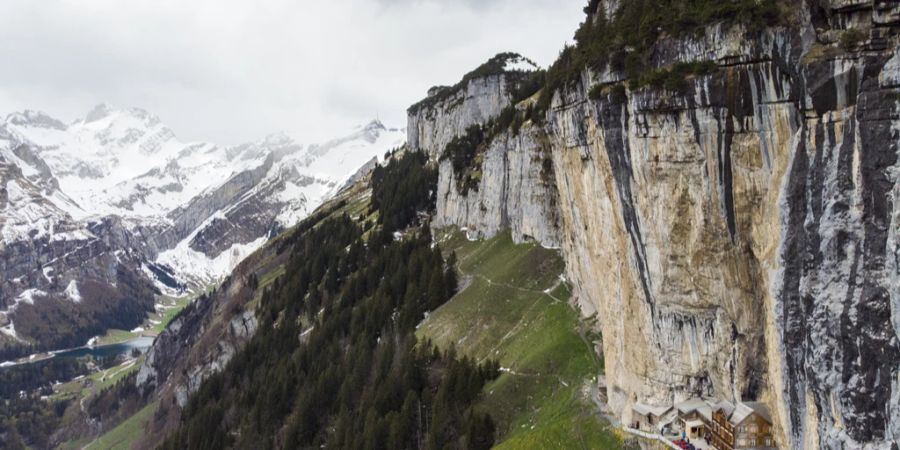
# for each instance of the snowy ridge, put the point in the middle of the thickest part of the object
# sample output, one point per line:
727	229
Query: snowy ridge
117	186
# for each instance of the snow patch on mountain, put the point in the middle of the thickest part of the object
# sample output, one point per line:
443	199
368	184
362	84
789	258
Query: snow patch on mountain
28	296
202	270
193	208
72	292
10	330
47	272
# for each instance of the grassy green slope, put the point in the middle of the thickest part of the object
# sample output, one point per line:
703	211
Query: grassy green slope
122	436
515	309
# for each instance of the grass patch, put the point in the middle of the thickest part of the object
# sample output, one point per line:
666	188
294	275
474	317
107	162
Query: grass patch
516	310
116	336
358	207
270	277
124	435
164	317
96	381
111	376
851	39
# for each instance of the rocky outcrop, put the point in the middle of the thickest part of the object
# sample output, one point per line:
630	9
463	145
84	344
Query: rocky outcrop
432	125
516	191
44	176
186	219
249	215
750	221
736	239
204	337
480	96
515	187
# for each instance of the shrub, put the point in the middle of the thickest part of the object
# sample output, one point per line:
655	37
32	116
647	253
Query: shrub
851	38
462	152
529	86
674	78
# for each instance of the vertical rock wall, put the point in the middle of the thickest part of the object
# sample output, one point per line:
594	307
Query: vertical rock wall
517	187
737	240
517	191
669	210
433	124
741	245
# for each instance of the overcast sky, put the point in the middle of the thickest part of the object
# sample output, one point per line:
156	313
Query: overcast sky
236	70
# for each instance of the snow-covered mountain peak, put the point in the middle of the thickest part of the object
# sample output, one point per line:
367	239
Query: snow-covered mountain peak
116	201
375	125
106	112
36	119
99	112
279	144
278	139
127	163
364	136
124	126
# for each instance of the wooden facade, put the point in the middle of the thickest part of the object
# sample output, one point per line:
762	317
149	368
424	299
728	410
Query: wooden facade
694	424
754	432
721	432
748	426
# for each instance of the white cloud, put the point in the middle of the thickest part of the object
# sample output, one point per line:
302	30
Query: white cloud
235	70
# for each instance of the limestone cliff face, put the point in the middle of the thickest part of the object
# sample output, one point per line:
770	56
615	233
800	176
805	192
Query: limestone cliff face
738	239
433	123
516	188
516	191
479	97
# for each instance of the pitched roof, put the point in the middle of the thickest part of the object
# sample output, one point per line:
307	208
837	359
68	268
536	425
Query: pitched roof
703	407
761	409
745	409
644	409
690	405
706	412
725	406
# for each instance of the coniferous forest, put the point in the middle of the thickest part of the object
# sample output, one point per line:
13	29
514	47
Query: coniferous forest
335	363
